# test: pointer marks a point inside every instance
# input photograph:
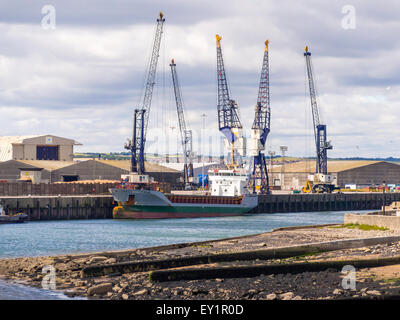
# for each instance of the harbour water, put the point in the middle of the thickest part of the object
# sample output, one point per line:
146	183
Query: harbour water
16	291
75	236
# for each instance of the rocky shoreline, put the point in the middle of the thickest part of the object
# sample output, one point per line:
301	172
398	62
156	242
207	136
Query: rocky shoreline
371	283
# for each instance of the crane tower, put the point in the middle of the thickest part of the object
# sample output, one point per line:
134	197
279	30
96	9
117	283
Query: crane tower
141	114
228	111
186	135
260	130
322	182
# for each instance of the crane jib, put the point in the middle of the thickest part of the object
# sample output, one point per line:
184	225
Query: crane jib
141	119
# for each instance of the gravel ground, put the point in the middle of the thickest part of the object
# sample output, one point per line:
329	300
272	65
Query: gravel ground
375	283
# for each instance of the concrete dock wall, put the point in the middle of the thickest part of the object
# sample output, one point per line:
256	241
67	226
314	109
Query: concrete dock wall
64	207
390	222
60	207
323	202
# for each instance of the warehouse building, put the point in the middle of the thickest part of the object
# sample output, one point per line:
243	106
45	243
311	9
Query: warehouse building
38	147
50	171
358	174
160	173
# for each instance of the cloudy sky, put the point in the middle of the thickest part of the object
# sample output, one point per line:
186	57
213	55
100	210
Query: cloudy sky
83	78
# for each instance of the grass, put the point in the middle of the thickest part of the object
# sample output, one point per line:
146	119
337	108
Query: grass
391	280
365	227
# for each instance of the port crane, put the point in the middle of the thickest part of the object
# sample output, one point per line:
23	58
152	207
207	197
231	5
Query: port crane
260	131
320	181
228	116
141	114
186	135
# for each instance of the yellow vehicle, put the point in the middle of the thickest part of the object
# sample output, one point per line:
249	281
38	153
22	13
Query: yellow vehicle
320	187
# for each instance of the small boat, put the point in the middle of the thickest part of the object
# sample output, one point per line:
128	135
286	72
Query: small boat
14	218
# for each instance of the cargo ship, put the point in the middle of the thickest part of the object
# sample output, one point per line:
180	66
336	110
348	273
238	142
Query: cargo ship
142	199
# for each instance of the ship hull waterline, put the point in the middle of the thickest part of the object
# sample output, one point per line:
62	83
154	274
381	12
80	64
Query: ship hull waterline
155	205
158	212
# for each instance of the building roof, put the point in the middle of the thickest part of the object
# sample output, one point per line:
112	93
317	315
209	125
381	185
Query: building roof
48	165
21	139
6	143
126	165
333	165
180	166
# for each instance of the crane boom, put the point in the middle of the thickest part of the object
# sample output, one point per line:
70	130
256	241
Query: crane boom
261	129
263	111
186	135
141	114
322	145
228	117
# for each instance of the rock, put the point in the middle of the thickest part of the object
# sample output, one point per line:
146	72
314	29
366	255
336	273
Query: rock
271	296
97	259
100	289
80	283
286	296
125	296
363	289
337	291
111	260
141	292
219	280
116	288
177	292
297	298
373	292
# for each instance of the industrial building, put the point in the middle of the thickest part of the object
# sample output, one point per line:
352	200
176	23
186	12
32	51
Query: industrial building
49	171
36	147
357	174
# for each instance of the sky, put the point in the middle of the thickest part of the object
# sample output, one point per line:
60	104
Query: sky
76	69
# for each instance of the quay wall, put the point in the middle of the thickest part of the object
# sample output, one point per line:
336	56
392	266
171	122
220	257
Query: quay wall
275	203
60	207
65	207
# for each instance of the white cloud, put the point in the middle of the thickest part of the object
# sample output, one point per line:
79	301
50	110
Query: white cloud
83	79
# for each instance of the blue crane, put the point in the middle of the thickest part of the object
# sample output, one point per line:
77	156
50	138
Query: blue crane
260	130
321	178
141	115
228	119
186	135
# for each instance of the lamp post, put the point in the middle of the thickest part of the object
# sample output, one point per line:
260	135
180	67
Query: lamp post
271	154
283	151
202	140
384	202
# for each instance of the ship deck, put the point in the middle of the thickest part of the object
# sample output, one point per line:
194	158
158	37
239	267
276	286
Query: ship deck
206	199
